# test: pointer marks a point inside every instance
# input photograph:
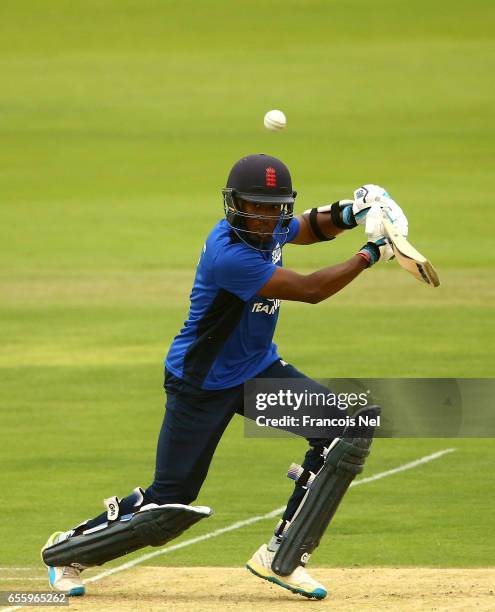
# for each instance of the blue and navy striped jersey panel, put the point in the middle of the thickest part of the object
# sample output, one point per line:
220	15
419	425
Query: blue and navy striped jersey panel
228	335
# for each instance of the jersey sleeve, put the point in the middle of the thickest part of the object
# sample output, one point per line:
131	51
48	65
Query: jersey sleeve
293	229
242	272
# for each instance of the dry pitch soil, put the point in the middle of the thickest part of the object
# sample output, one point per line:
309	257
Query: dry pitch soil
208	589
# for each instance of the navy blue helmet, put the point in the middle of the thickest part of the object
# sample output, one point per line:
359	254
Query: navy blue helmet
260	179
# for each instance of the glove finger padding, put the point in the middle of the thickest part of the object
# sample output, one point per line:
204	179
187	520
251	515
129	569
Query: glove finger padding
367	196
373	226
364	198
395	215
375	231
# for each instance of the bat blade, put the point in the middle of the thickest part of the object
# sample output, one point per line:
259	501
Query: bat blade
409	258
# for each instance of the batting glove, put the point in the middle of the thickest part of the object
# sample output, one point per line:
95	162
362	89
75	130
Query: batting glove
375	232
368	195
370	252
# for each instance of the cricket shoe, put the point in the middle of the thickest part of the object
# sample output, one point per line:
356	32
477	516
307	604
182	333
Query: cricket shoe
299	581
64	579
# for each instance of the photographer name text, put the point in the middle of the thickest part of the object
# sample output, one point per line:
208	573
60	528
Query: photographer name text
308	421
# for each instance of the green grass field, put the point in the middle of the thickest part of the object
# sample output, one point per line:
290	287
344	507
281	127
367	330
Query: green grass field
119	122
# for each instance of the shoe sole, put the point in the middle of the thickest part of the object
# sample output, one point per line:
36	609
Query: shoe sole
316	594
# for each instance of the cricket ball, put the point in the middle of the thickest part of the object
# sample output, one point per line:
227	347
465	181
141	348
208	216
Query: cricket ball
275	120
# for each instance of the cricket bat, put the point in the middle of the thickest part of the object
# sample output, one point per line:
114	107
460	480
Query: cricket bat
410	259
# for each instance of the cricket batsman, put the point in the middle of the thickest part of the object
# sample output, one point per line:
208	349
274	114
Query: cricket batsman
227	340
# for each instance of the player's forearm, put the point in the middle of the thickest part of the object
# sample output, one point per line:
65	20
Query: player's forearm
325	222
313	288
328	229
327	226
326	282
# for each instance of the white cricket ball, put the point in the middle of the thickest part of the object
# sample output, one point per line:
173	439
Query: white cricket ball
275	120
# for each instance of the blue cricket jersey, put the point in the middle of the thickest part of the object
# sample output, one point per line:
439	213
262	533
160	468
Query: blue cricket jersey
228	335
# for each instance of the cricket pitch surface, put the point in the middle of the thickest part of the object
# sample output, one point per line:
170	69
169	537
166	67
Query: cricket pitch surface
206	589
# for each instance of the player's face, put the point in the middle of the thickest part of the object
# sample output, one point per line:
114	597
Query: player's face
263	228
